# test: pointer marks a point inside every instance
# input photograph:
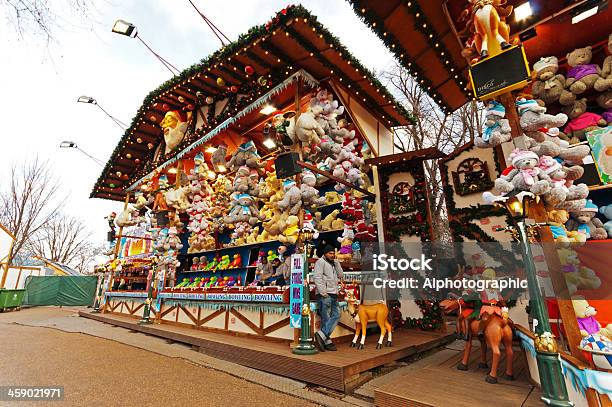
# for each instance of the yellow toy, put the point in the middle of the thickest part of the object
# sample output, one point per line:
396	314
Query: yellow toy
332	197
292	230
556	221
337	224
252	237
587	323
275	225
326	222
576	275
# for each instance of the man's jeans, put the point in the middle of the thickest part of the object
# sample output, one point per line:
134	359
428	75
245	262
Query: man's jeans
330	315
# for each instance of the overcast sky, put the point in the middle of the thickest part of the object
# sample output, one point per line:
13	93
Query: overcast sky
39	93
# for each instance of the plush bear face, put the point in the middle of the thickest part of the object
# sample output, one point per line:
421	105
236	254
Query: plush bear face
606	211
526	163
558	216
604	100
579	56
583	217
546	68
245	200
582	309
575	110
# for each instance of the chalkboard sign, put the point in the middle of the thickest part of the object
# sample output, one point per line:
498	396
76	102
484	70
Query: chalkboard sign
500	74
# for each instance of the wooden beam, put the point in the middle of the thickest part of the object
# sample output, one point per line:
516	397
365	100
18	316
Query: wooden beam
339	180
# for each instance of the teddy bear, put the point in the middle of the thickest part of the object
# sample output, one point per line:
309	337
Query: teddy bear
275	225
292	198
242	182
291	230
306	128
329	147
218	158
604	100
549	86
497	128
584	221
563	192
243	210
576	275
345	253
606	67
310	195
525	175
246	154
552	142
581	121
583	75
533	116
355	177
556	220
587	323
606	211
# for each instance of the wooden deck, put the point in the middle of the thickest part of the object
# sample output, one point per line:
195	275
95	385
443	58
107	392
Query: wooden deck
442	384
329	369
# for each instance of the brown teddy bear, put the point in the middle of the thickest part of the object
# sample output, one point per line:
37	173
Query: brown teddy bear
525	175
606	67
549	86
556	220
604	101
583	75
581	121
584	221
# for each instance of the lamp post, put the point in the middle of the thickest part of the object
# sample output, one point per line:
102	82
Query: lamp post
147	308
554	392
92	101
305	345
72	144
122	27
99	295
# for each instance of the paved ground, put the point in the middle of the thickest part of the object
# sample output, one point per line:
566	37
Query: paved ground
105	372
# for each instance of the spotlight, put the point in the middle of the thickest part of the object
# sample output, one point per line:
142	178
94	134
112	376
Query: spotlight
523	11
124	28
267	109
589	9
269	143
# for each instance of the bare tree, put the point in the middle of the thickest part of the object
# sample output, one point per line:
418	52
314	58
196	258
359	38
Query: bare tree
43	18
28	201
66	240
432	128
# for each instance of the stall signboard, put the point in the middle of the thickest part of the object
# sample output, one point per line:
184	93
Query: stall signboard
126	294
296	290
500	74
226	296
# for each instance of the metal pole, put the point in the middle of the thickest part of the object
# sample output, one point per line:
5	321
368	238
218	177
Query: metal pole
99	295
554	392
306	344
147	308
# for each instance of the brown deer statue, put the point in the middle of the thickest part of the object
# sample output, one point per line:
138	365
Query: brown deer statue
362	314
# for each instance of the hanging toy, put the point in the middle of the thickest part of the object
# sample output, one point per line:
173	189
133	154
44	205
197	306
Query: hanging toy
220	82
249	70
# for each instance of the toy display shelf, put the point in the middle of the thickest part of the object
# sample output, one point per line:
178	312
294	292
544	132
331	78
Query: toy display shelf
210	271
221	249
600	187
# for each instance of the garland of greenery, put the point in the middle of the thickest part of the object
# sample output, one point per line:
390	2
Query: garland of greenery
377	25
432	316
244	41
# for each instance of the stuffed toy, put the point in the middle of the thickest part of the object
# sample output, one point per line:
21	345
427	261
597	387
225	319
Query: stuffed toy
252	237
291	231
309	224
128	217
329	147
583	75
525	175
292	198
549	86
581	121
275	225
606	211
562	192
306	128
224	263
576	275
177	198
243	210
332	197
556	220
345	253
195	264
246	154
174	126
606	68
497	129
587	323
584	221
604	101
242	182
327	222
533	116
355	177
310	195
218	158
551	142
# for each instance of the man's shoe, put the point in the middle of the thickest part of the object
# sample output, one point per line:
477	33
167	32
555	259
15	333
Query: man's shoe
319	341
331	347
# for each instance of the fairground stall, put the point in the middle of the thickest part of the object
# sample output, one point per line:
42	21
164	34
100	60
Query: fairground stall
541	164
254	154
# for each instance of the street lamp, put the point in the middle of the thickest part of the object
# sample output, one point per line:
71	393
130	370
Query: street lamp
146	316
72	144
554	392
305	345
100	289
122	27
92	101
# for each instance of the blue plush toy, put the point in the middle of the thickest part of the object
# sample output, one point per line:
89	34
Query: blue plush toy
607	212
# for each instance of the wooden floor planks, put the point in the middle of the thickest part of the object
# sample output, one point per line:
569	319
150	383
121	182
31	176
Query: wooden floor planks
329	369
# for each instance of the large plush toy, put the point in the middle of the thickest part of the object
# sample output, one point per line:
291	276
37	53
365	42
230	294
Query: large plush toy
533	116
581	121
327	222
178	198
576	275
486	27
310	195
583	75
587	323
218	158
563	194
243	210
525	175
292	230
175	126
292	198
345	253
606	68
556	220
128	217
586	222
497	129
306	128
246	154
604	100
551	142
549	86
607	212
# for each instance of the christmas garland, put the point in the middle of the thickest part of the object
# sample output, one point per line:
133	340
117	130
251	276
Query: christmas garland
280	21
432	319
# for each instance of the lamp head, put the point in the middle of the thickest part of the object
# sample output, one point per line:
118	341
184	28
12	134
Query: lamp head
124	28
86	99
68	144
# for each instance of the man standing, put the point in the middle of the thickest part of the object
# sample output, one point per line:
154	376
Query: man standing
327	273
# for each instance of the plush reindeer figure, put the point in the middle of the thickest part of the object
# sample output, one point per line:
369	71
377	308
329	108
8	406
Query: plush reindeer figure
365	313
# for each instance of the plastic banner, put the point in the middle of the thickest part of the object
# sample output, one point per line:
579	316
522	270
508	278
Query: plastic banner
60	290
296	290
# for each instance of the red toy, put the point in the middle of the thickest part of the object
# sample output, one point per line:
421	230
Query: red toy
237	262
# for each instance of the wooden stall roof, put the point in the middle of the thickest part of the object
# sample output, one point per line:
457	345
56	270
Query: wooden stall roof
292	40
430	153
419	34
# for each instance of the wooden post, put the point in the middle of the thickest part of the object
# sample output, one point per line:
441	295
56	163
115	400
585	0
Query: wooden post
7	264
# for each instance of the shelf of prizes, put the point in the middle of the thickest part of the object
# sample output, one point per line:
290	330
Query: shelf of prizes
227	175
